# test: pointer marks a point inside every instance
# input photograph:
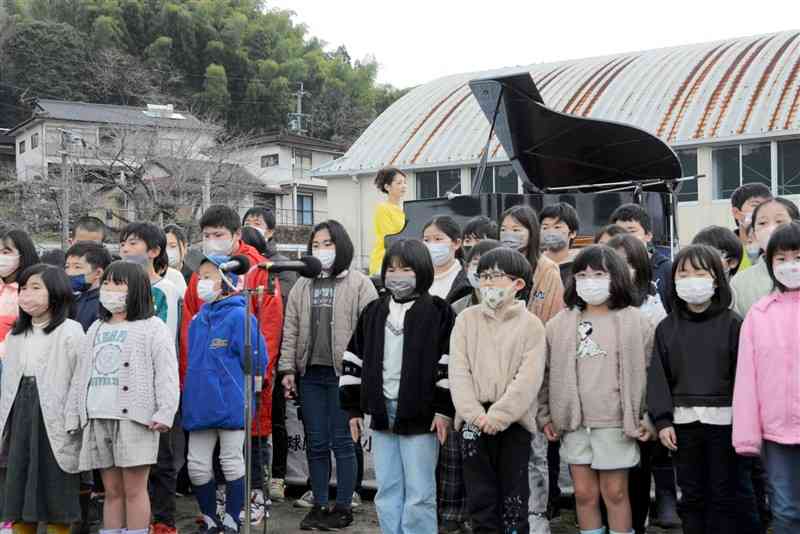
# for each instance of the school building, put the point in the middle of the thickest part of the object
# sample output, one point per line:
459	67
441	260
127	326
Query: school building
730	109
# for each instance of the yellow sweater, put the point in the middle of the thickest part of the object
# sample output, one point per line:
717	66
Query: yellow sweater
389	219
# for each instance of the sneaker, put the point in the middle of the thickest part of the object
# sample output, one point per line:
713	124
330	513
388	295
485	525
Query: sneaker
162	528
356	500
258	508
204	528
337	518
6	527
220	501
306	501
277	490
314	520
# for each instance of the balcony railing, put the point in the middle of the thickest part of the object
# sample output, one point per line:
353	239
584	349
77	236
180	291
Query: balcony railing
288	217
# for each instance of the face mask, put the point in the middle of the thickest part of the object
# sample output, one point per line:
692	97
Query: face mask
495	297
553	240
513	240
753	251
174	256
788	274
440	253
695	290
594	291
8	264
34	304
401	286
763	235
261	231
138	259
474	279
217	247
113	301
326	257
79	283
206	291
467	249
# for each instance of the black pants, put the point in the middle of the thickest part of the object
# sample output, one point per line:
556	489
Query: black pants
257	461
162	483
707	474
553	472
280	438
496	478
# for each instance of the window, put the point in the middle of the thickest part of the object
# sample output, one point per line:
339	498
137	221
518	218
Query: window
270	160
22	147
688	188
436	184
741	164
789	167
34	141
305	210
302	159
498	179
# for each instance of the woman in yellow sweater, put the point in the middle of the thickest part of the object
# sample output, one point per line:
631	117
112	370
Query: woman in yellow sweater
389	216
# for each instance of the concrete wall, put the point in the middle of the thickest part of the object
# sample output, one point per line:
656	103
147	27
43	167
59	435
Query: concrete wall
32	162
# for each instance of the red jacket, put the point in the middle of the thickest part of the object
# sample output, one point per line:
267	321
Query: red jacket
270	314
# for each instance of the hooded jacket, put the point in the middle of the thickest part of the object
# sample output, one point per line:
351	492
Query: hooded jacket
86	308
662	278
213	390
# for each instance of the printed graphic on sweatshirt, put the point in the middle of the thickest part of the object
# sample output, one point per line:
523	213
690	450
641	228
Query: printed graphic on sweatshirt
588	347
160	303
103	397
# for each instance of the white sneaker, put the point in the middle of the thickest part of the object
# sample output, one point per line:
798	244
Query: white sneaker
356	501
220	501
258	508
277	490
306	501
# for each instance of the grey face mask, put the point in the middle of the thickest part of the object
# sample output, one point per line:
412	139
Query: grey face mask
401	286
553	240
138	259
513	240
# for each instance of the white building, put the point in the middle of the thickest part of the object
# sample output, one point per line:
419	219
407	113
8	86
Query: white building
285	160
731	110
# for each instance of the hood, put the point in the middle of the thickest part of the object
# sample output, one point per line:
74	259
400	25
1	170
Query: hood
217	311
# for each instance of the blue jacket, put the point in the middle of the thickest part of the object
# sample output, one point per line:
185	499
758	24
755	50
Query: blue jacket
213	392
86	307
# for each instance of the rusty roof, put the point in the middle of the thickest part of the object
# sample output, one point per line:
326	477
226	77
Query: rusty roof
721	91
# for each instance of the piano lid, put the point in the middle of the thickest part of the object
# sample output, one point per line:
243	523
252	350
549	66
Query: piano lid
549	149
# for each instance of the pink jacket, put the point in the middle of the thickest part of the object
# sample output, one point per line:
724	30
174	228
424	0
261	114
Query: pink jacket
8	312
766	397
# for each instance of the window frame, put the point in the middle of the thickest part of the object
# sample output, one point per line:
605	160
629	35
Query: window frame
266	160
716	192
437	173
696	191
21	147
301	211
35	141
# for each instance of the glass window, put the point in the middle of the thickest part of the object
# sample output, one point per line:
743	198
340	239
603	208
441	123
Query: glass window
302	159
426	185
34	140
305	210
505	179
688	188
789	167
488	179
756	164
449	181
727	174
22	147
270	160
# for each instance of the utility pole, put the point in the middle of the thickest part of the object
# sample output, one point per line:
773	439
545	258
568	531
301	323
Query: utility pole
298	120
206	191
65	185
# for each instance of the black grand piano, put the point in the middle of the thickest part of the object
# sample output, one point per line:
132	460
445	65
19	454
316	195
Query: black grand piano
592	164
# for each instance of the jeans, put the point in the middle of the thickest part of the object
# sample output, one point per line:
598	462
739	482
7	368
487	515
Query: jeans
163	481
327	426
782	463
405	469
280	439
708	474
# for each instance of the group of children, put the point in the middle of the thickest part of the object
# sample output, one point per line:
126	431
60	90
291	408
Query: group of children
491	354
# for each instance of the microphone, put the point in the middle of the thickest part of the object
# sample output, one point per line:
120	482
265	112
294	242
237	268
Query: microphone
307	266
237	265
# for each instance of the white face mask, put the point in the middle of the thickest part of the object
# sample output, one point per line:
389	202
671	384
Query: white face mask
593	291
217	247
495	297
114	301
474	279
788	274
206	291
695	290
8	264
174	256
762	236
440	253
326	257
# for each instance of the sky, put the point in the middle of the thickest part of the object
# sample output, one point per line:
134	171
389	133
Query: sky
416	41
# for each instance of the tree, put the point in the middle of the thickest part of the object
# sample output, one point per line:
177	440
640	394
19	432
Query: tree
215	99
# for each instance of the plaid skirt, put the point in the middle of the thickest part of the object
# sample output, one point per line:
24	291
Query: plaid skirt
36	489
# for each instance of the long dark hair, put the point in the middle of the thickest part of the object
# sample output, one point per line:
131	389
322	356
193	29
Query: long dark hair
340	238
139	304
786	237
706	258
602	258
636	253
28	256
59	297
527	217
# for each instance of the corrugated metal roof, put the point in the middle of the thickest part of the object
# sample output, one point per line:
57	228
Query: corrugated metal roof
711	92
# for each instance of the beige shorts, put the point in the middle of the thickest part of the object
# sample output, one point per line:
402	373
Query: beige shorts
117	443
603	449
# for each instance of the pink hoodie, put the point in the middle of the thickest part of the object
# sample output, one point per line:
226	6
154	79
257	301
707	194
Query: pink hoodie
766	397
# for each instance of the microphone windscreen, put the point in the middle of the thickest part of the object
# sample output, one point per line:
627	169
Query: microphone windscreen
312	267
244	264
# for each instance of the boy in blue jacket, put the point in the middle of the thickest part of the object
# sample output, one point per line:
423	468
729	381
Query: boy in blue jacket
213	394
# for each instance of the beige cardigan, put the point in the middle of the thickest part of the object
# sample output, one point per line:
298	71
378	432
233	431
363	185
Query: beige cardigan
498	359
547	294
559	401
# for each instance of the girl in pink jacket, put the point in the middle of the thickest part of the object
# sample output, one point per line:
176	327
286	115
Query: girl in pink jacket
766	398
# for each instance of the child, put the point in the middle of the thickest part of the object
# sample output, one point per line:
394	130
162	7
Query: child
645	296
177	248
766	399
123	395
519	230
401	382
495	397
473	259
17	253
213	394
604	234
560	225
442	236
744	201
321	315
88	229
597	361
725	243
476	230
85	265
751	285
263	220
41	484
690	390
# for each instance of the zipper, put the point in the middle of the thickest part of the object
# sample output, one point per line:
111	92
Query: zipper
332	326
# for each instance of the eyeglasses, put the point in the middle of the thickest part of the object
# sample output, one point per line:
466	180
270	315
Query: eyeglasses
491	277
